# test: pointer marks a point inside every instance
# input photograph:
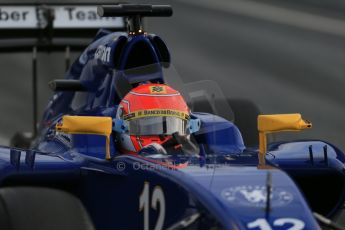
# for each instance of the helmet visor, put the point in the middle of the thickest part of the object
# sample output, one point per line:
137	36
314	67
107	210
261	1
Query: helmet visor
152	126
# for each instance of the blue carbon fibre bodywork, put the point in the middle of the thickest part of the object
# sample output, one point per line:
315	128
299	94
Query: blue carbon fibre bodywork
221	183
200	187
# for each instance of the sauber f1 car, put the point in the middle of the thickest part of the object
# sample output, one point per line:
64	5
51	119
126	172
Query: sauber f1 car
199	172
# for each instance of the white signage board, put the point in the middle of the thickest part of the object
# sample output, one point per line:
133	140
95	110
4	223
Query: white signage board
66	17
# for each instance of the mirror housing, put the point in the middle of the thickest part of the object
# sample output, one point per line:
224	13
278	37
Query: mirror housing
282	122
87	125
278	123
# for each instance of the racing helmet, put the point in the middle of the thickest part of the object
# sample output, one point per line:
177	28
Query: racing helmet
151	114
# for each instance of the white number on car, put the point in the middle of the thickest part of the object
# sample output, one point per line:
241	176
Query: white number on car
156	200
263	224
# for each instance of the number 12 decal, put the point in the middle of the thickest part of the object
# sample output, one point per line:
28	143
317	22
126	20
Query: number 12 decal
263	224
157	199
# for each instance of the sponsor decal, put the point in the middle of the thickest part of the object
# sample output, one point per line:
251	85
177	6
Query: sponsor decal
103	53
157	89
157	113
248	195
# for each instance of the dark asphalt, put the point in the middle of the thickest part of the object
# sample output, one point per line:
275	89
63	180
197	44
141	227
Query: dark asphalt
280	67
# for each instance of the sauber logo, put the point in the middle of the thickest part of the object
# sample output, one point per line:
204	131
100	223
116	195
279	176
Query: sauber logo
103	53
157	89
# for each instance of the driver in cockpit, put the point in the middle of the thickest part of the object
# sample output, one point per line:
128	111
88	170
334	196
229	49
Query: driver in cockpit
157	116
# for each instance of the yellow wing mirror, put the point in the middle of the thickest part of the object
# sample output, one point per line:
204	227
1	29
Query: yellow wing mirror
87	125
278	123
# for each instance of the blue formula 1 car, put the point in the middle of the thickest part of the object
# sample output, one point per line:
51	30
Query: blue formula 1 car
77	175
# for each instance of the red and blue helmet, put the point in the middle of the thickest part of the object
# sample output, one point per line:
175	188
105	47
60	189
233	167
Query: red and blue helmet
149	114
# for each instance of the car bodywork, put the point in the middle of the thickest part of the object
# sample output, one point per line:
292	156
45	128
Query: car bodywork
221	187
